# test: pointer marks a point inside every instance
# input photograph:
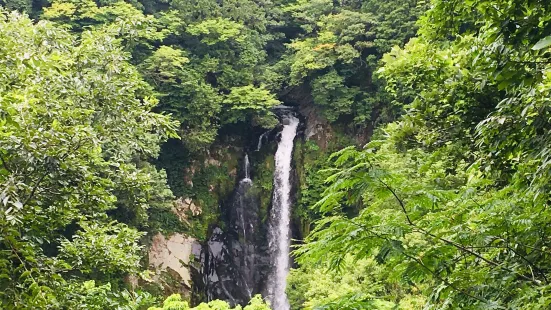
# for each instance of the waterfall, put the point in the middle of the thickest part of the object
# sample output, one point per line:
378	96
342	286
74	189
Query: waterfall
279	231
242	199
262	136
248	254
247	167
242	203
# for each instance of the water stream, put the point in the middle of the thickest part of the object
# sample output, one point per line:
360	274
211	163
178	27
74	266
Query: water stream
261	140
242	202
249	255
279	230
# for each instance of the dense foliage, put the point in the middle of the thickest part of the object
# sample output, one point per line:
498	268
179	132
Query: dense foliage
338	52
76	133
359	284
453	197
175	302
446	207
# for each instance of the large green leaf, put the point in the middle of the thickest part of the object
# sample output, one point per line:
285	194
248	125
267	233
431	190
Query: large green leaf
543	43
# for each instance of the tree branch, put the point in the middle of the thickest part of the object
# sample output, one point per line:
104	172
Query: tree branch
5	164
434	273
418	261
35	187
449	242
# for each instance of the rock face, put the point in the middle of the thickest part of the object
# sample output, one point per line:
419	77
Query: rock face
233	262
317	127
232	270
169	258
184	206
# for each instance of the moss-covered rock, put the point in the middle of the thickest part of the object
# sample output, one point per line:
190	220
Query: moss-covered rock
206	178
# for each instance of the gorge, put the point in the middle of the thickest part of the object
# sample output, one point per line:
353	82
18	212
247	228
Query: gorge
251	255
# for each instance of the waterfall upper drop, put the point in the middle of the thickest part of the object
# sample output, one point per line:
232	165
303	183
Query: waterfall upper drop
280	217
246	167
261	139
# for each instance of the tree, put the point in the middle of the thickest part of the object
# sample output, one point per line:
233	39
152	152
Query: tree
175	301
339	51
225	45
361	284
76	133
453	197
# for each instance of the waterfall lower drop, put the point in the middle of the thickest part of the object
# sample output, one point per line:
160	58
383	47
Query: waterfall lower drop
243	201
229	259
279	230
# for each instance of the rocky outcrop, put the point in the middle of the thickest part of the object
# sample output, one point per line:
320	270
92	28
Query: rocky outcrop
183	207
317	128
169	259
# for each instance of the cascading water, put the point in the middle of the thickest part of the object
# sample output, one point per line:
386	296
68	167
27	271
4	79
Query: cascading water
248	255
242	202
261	139
279	230
230	260
247	167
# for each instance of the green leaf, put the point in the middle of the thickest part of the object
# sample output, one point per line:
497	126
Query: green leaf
543	43
18	204
25	274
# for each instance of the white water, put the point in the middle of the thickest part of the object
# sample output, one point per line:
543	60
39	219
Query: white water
262	136
247	167
279	235
242	202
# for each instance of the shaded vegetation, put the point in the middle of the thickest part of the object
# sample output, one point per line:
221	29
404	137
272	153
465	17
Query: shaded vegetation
453	195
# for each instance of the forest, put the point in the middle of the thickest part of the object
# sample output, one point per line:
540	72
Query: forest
275	154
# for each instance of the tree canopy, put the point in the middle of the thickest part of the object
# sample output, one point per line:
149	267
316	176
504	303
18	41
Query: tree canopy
452	197
430	189
76	130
